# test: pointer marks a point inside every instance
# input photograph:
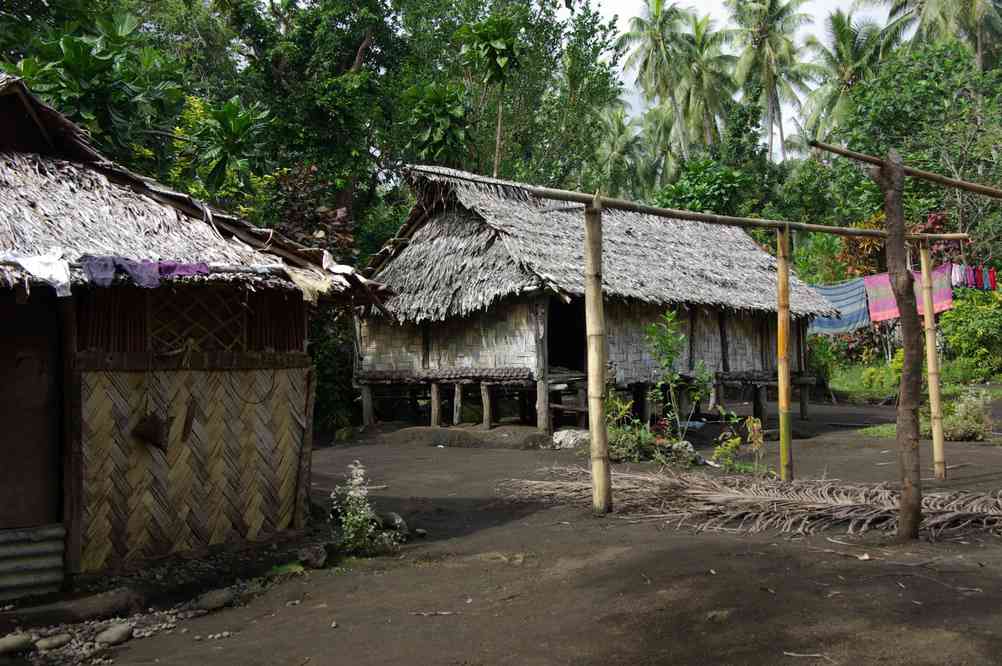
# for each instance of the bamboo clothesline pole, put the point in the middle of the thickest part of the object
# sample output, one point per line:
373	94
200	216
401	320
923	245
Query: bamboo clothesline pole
932	364
955	183
783	353
595	329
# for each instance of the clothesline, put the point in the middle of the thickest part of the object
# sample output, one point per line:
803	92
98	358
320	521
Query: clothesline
868	300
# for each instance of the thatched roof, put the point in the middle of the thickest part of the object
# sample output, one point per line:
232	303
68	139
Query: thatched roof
472	240
57	191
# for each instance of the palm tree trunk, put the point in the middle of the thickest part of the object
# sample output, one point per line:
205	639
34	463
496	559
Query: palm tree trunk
497	135
680	122
769	119
981	48
782	137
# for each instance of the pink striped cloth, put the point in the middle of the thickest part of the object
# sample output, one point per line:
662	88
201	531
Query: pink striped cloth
881	297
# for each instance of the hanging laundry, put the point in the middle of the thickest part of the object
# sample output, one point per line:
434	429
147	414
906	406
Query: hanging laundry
849	298
881	297
175	269
50	268
985	279
969	277
143	272
99	270
957	275
992	279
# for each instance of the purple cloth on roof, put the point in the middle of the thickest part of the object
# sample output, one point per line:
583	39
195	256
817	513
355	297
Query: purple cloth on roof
143	272
99	270
173	269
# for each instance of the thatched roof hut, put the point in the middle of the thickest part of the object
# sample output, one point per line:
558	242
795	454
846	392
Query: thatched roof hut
488	280
164	404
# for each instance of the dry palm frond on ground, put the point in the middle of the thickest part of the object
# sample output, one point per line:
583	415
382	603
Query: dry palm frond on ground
755	504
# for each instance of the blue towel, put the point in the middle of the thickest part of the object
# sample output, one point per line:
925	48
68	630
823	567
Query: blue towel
849	298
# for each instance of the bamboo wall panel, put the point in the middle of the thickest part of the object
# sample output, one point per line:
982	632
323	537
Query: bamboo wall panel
234	477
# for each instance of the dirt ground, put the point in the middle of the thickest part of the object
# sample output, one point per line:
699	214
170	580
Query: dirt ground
502	583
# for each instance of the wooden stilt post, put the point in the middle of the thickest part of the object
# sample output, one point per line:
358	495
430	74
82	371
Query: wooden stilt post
436	406
368	411
595	326
932	364
457	405
485	397
543	421
783	354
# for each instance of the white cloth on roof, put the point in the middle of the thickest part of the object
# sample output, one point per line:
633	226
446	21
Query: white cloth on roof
50	268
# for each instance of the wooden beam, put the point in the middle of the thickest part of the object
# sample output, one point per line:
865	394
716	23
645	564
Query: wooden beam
485	398
710	218
72	436
595	327
457	405
932	365
956	183
436	406
301	514
368	411
724	352
541	312
783	354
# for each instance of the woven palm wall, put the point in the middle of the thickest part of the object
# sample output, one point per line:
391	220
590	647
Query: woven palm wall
230	469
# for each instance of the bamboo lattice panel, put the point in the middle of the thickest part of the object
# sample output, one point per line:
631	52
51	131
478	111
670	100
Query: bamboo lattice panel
234	478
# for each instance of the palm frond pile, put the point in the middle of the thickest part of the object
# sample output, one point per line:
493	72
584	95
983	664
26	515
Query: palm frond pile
751	504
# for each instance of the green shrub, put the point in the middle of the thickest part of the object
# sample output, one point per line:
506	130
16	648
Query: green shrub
964	370
356	528
967	419
973	329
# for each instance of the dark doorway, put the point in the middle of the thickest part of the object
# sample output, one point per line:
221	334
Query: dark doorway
29	411
566	341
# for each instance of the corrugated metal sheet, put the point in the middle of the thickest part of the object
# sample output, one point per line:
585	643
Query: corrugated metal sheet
31	561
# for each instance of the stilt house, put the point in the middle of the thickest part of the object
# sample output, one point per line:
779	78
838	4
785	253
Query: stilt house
488	287
141	421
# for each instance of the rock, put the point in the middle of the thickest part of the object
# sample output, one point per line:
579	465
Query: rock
14	643
421	532
213	600
115	634
119	602
570	438
313	556
53	642
719	616
394	521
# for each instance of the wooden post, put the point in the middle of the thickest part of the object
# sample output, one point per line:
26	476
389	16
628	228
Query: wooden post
783	354
436	406
543	422
595	326
485	397
890	177
368	412
932	364
457	405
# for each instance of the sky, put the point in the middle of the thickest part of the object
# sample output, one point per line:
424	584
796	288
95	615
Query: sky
819	9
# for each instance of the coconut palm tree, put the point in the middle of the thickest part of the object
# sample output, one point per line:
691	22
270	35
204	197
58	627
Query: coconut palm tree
653	41
618	152
706	81
657	158
769	59
978	21
852	53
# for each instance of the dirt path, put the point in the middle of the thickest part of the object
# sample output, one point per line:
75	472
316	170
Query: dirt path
553	585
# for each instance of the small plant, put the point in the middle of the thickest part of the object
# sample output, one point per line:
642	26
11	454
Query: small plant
666	343
732	447
969	419
354	523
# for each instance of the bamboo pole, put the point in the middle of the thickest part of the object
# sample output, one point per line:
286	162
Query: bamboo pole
710	218
595	327
976	188
783	354
932	364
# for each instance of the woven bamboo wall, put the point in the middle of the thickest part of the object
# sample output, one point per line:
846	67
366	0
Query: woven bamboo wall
235	477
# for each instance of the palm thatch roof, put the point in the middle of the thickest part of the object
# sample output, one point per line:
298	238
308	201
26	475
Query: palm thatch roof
471	241
57	191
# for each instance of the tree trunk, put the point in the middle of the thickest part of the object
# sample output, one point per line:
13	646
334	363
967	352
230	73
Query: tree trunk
981	48
497	136
890	177
782	137
769	119
680	123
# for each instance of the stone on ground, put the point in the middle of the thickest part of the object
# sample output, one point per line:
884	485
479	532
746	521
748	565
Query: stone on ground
14	643
213	600
570	438
115	634
53	642
394	521
313	556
